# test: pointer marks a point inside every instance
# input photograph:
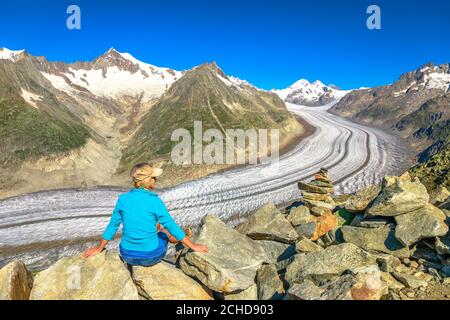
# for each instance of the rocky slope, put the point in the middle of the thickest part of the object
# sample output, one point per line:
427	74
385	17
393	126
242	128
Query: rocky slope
416	107
388	241
302	92
77	124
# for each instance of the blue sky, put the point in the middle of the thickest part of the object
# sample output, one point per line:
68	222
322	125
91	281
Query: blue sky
269	43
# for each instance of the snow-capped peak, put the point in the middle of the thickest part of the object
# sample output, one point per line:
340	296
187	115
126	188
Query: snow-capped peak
6	54
310	94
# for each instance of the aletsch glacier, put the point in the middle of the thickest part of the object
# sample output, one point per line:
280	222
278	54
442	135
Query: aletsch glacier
41	227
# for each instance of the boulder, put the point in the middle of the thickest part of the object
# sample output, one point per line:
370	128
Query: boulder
372	222
328	263
232	259
391	282
277	251
304	290
165	282
439	196
306	230
399	195
306	246
359	202
410	281
388	263
318	211
325	223
314	188
299	215
15	281
101	277
442	245
251	293
422	223
378	240
270	287
268	223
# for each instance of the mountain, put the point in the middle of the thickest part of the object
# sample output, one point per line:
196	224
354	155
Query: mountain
86	123
206	94
302	92
416	107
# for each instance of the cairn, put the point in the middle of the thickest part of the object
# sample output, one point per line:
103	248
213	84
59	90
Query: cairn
317	193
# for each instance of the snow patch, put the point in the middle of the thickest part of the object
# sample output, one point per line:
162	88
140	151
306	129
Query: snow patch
6	54
31	98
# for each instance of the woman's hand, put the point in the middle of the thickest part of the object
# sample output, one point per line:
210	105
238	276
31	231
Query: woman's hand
199	248
92	252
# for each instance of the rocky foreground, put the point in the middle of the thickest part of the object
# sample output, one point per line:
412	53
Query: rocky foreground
384	242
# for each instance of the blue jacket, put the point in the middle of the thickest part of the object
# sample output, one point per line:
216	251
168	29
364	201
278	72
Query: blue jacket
139	210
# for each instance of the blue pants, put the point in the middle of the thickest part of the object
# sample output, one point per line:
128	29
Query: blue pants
146	259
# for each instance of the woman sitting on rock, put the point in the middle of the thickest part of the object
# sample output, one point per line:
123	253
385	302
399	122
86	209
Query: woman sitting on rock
142	212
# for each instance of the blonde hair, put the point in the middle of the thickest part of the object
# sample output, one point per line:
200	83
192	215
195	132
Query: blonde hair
138	183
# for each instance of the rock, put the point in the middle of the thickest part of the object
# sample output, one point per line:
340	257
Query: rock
306	230
442	246
317	196
339	288
328	263
317	211
322	184
320	204
445	271
165	282
435	274
388	263
409	281
251	293
305	290
282	265
341	199
371	222
314	189
439	196
369	285
325	223
15	281
399	195
391	282
306	246
101	277
378	240
270	287
232	259
299	215
359	202
268	223
426	222
277	251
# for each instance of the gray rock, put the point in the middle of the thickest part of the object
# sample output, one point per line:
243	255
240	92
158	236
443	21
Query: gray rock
165	282
251	293
378	240
422	223
232	259
306	246
299	215
409	281
268	223
328	263
318	211
277	251
439	196
442	246
320	204
270	287
391	282
388	263
15	281
360	201
304	290
399	195
101	277
371	222
306	230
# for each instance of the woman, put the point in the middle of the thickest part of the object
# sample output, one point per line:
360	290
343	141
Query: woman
142	212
